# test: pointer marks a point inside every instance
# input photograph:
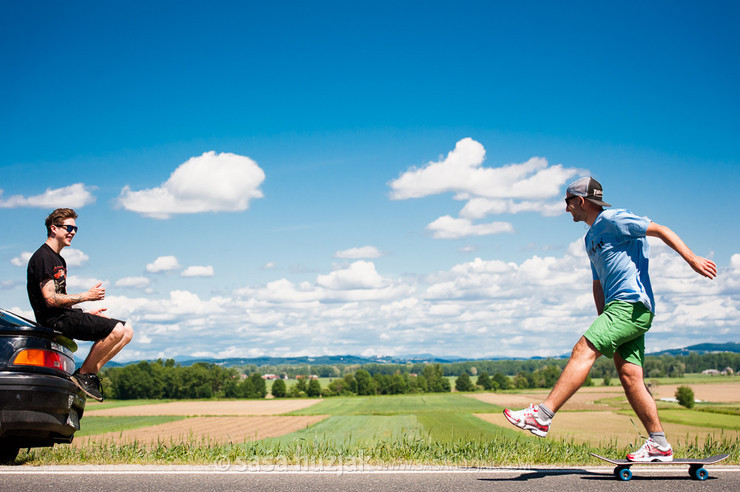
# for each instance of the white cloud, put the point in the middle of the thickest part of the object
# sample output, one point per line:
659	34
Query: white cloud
74	196
77	284
211	182
461	172
478	207
198	271
478	308
133	282
359	275
74	257
370	252
448	227
22	259
510	189
163	264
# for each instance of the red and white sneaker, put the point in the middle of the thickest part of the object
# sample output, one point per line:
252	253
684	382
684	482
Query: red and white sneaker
529	419
650	451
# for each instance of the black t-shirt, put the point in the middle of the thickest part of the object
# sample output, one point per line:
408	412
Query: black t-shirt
46	264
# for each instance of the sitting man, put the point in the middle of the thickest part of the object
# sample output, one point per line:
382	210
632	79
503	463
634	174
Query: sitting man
47	292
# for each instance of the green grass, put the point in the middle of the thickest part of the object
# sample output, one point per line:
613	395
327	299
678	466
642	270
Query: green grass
698	418
398	405
355	431
101	425
451	427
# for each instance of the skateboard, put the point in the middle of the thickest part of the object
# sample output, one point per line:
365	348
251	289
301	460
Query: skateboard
696	466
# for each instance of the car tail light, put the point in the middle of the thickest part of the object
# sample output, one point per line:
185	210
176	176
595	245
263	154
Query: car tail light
42	358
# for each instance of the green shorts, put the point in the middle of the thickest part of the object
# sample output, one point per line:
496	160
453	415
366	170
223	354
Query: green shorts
621	328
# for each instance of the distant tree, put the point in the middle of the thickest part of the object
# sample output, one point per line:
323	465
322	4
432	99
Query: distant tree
520	381
314	388
502	381
607	380
685	396
588	381
279	390
365	384
485	381
463	383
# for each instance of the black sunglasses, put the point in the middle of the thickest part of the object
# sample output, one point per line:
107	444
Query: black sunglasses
70	228
568	199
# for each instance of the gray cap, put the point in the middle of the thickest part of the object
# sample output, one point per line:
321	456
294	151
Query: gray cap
588	188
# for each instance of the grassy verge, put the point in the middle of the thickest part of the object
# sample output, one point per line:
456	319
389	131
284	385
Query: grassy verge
501	450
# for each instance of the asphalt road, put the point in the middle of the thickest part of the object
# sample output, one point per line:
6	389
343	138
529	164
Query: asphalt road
204	479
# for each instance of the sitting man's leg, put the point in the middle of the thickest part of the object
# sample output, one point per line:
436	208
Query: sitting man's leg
109	336
105	349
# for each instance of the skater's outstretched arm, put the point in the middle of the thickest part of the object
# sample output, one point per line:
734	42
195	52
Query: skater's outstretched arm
701	265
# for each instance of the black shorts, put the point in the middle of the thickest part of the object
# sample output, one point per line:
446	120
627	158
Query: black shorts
84	326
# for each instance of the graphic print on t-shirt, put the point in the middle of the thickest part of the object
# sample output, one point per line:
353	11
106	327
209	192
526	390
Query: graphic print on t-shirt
60	280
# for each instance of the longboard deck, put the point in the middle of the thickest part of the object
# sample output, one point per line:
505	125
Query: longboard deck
695	461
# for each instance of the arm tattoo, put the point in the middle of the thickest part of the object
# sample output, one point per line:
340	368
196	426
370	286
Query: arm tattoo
56	299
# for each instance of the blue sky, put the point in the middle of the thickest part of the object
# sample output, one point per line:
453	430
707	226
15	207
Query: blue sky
280	179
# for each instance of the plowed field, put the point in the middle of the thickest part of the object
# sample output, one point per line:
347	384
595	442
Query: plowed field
205	408
219	430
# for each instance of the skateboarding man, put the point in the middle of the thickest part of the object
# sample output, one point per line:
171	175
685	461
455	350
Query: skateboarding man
47	292
618	250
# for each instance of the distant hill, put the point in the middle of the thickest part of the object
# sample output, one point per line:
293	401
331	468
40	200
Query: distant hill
702	348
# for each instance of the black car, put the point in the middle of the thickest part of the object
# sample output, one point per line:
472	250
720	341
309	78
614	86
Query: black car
39	405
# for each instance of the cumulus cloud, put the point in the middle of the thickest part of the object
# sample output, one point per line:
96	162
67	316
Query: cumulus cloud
510	189
74	196
448	227
74	257
163	264
359	275
133	282
462	172
198	271
211	182
22	259
369	252
479	308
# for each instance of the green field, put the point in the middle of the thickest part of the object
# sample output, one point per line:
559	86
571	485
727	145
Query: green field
359	421
399	404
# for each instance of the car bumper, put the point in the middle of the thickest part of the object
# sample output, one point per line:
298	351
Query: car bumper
39	409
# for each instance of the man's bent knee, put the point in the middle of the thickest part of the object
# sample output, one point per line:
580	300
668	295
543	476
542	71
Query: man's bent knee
122	332
585	350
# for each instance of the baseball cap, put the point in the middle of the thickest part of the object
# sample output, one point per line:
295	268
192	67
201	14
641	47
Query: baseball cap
588	188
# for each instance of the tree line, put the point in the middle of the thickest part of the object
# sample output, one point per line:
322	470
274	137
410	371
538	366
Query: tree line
167	380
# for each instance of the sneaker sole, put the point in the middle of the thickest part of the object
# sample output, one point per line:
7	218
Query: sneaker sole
85	391
653	459
534	430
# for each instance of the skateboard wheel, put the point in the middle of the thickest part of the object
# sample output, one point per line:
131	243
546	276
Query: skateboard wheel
624	474
700	474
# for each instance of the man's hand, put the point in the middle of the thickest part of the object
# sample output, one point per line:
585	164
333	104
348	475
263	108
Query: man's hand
96	293
98	312
703	266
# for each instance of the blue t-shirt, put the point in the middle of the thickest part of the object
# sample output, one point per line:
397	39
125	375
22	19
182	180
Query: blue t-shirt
619	252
